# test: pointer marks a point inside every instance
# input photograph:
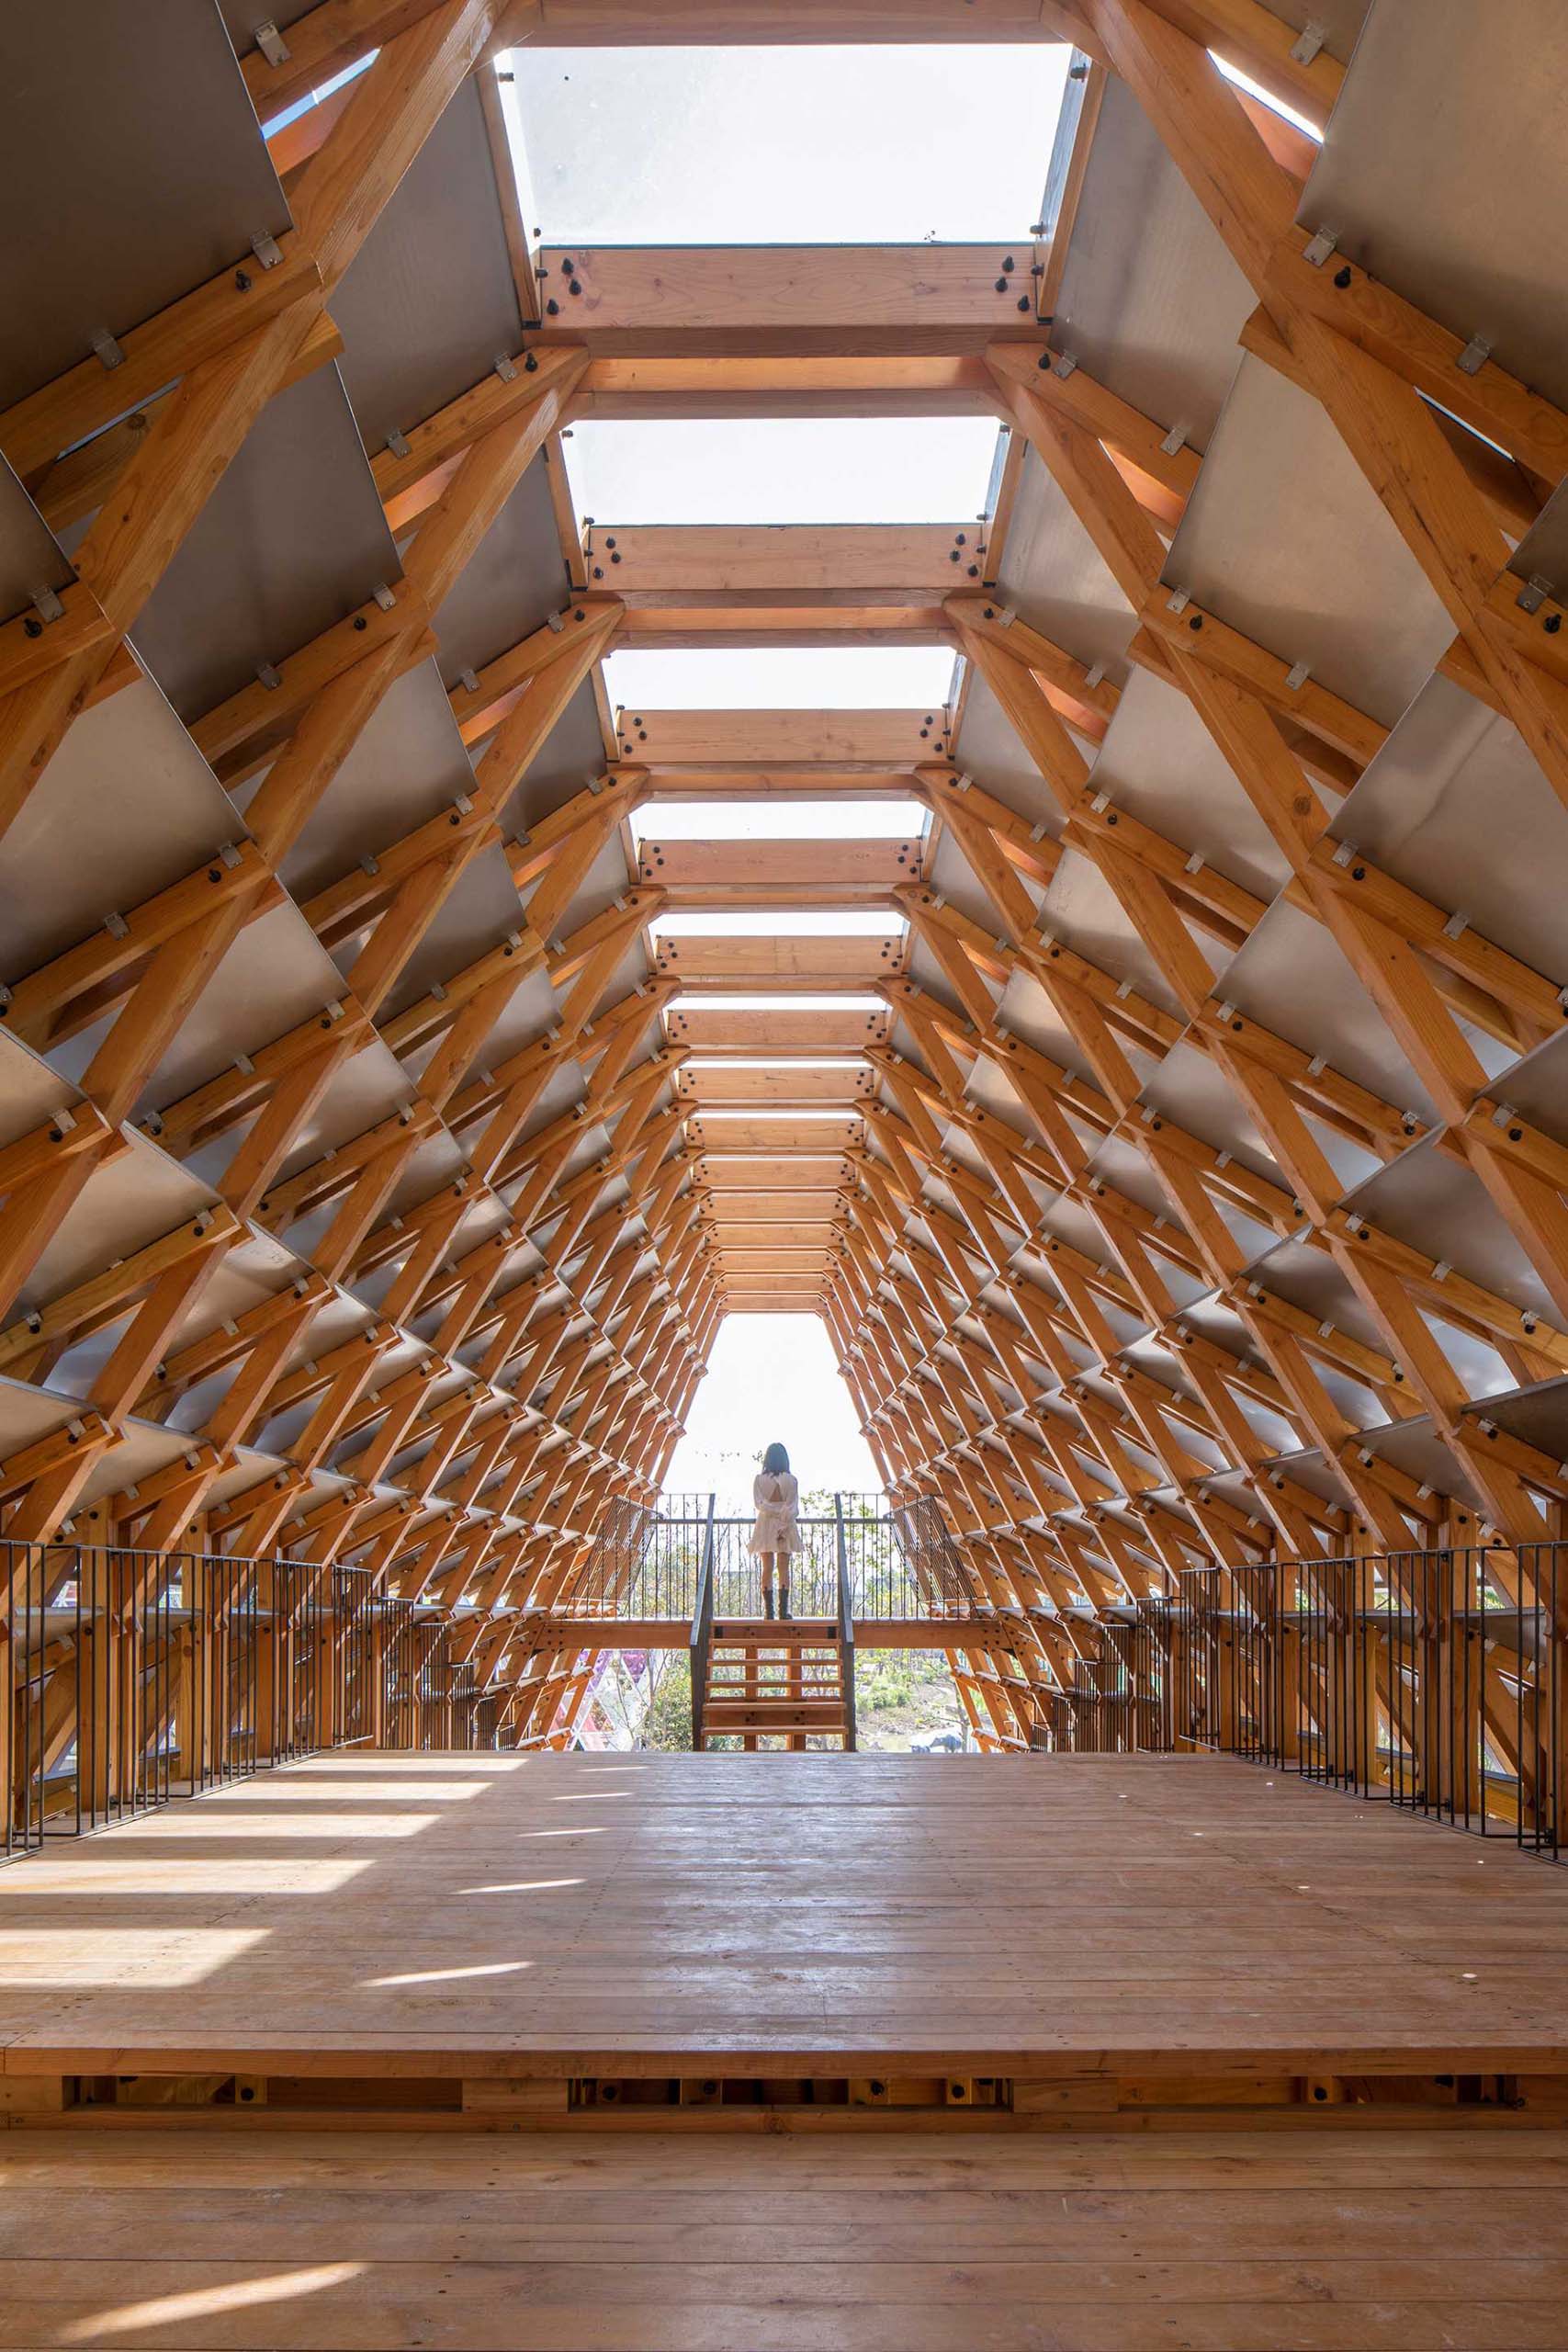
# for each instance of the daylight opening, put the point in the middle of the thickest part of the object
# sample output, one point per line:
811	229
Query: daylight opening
715	471
780	820
782	677
784	146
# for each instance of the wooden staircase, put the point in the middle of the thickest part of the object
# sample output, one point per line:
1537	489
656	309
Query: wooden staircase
776	1679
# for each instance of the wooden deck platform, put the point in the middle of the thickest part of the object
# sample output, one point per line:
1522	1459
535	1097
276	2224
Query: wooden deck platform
1339	2242
1063	1921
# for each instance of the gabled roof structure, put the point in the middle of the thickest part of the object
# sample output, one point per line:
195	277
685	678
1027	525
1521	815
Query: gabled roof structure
1178	1155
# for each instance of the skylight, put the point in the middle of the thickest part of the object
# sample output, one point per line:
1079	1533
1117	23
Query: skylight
781	470
782	677
831	923
785	146
754	1000
780	820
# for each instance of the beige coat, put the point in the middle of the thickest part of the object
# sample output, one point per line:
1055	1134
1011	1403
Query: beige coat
777	1500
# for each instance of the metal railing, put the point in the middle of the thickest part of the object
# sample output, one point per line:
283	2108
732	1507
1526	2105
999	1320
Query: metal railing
702	1628
132	1678
904	1565
643	1563
647	1564
846	1626
1435	1683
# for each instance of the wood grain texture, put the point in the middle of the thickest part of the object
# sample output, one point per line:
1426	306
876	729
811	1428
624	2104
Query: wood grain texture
442	1914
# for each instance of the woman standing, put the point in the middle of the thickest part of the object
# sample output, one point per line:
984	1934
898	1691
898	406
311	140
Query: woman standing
776	1533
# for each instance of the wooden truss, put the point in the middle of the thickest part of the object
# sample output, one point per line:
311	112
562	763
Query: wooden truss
445	1343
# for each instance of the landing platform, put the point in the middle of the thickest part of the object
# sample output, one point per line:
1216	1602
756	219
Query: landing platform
1060	1920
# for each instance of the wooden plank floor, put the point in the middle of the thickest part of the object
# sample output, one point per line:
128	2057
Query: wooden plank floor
1332	2242
445	1913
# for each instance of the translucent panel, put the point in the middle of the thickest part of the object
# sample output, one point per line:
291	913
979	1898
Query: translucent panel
853	1000
762	1061
782	677
833	922
781	469
785	146
780	820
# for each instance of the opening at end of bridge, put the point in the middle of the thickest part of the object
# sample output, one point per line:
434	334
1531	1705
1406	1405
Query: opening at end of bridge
834	1639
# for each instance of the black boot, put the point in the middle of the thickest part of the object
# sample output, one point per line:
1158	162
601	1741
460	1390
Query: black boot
768	1604
784	1604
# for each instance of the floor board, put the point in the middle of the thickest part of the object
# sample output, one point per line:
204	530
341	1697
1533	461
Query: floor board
1339	2242
449	1913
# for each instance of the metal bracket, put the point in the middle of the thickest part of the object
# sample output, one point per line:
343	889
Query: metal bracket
371	865
1094	677
1194	864
271	43
1064	364
384	596
1456	926
1344	851
398	443
117	926
505	367
244	1065
1307	44
47	605
1534	594
468	682
1175	440
1178	600
1320	247
107	348
1297	675
266	249
1475	355
271	678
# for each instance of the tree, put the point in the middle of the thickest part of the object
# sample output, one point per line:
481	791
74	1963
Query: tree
668	1722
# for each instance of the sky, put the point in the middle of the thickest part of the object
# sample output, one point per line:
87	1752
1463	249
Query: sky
786	146
771	1376
628	471
780	677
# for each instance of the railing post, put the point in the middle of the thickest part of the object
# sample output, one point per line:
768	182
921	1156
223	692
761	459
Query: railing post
702	1628
846	1627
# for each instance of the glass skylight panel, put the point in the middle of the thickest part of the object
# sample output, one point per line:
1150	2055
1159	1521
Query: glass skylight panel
785	146
781	677
630	470
777	1000
780	820
771	923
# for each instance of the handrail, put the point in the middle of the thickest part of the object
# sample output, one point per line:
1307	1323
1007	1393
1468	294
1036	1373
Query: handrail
702	1629
846	1628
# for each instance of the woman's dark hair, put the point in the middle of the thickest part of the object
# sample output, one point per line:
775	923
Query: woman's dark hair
775	1461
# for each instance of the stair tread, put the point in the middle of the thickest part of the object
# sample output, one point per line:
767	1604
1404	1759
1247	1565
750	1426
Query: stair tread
773	1710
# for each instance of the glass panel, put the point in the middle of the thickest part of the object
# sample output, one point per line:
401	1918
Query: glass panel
786	146
832	922
781	469
783	821
782	677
